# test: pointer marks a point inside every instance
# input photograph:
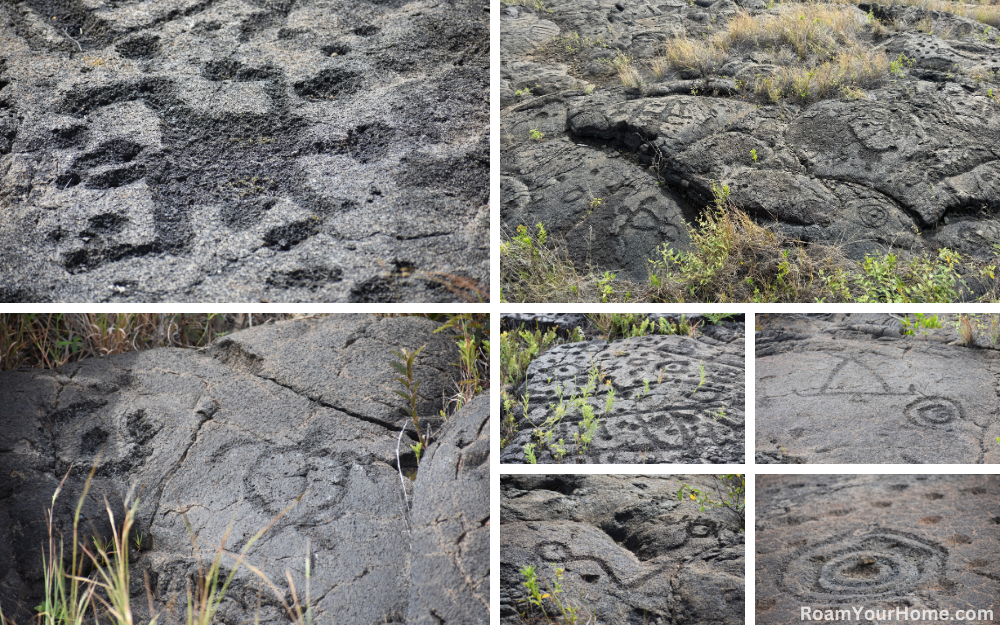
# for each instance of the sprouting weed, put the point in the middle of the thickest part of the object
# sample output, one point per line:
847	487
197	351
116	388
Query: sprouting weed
405	369
730	491
529	453
701	371
559	450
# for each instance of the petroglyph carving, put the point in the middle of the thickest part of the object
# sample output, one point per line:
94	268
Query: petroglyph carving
879	564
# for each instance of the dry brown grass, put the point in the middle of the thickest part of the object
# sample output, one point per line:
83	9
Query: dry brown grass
846	75
809	30
52	340
821	51
983	11
686	54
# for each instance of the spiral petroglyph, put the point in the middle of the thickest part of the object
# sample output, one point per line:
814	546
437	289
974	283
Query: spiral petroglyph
878	564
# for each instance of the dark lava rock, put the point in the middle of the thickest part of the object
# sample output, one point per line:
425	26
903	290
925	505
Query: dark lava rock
852	389
876	542
631	552
235	436
910	164
305	150
679	419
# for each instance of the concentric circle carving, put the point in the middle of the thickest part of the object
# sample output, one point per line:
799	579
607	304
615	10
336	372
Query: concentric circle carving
873	215
932	411
878	564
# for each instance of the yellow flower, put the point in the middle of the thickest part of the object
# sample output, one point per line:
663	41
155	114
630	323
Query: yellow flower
693	498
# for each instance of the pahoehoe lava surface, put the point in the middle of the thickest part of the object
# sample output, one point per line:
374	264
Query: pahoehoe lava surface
237	434
681	418
912	164
878	542
243	150
632	553
850	388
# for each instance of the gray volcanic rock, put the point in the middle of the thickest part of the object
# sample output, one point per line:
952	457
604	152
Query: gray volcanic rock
450	571
630	550
678	420
295	150
876	542
214	441
851	389
911	164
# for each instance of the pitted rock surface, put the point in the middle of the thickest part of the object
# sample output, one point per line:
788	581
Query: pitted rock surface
676	421
851	389
221	150
630	549
220	439
913	165
879	542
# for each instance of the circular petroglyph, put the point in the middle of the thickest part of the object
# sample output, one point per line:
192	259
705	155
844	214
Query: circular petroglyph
879	564
553	552
873	215
931	411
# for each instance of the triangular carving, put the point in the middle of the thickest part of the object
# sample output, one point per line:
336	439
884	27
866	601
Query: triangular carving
851	376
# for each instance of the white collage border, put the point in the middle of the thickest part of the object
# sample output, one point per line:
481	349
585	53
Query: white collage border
749	468
496	310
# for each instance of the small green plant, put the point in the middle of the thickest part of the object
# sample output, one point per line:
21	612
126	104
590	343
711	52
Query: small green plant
605	286
896	66
595	204
753	155
719	415
529	453
919	321
645	387
405	369
523	92
701	371
730	493
565	610
535	134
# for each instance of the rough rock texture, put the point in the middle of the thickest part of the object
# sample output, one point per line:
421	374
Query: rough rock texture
676	421
851	389
878	542
912	164
450	572
224	439
243	150
631	551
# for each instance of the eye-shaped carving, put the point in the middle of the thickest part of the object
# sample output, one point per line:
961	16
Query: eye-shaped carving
883	563
931	411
